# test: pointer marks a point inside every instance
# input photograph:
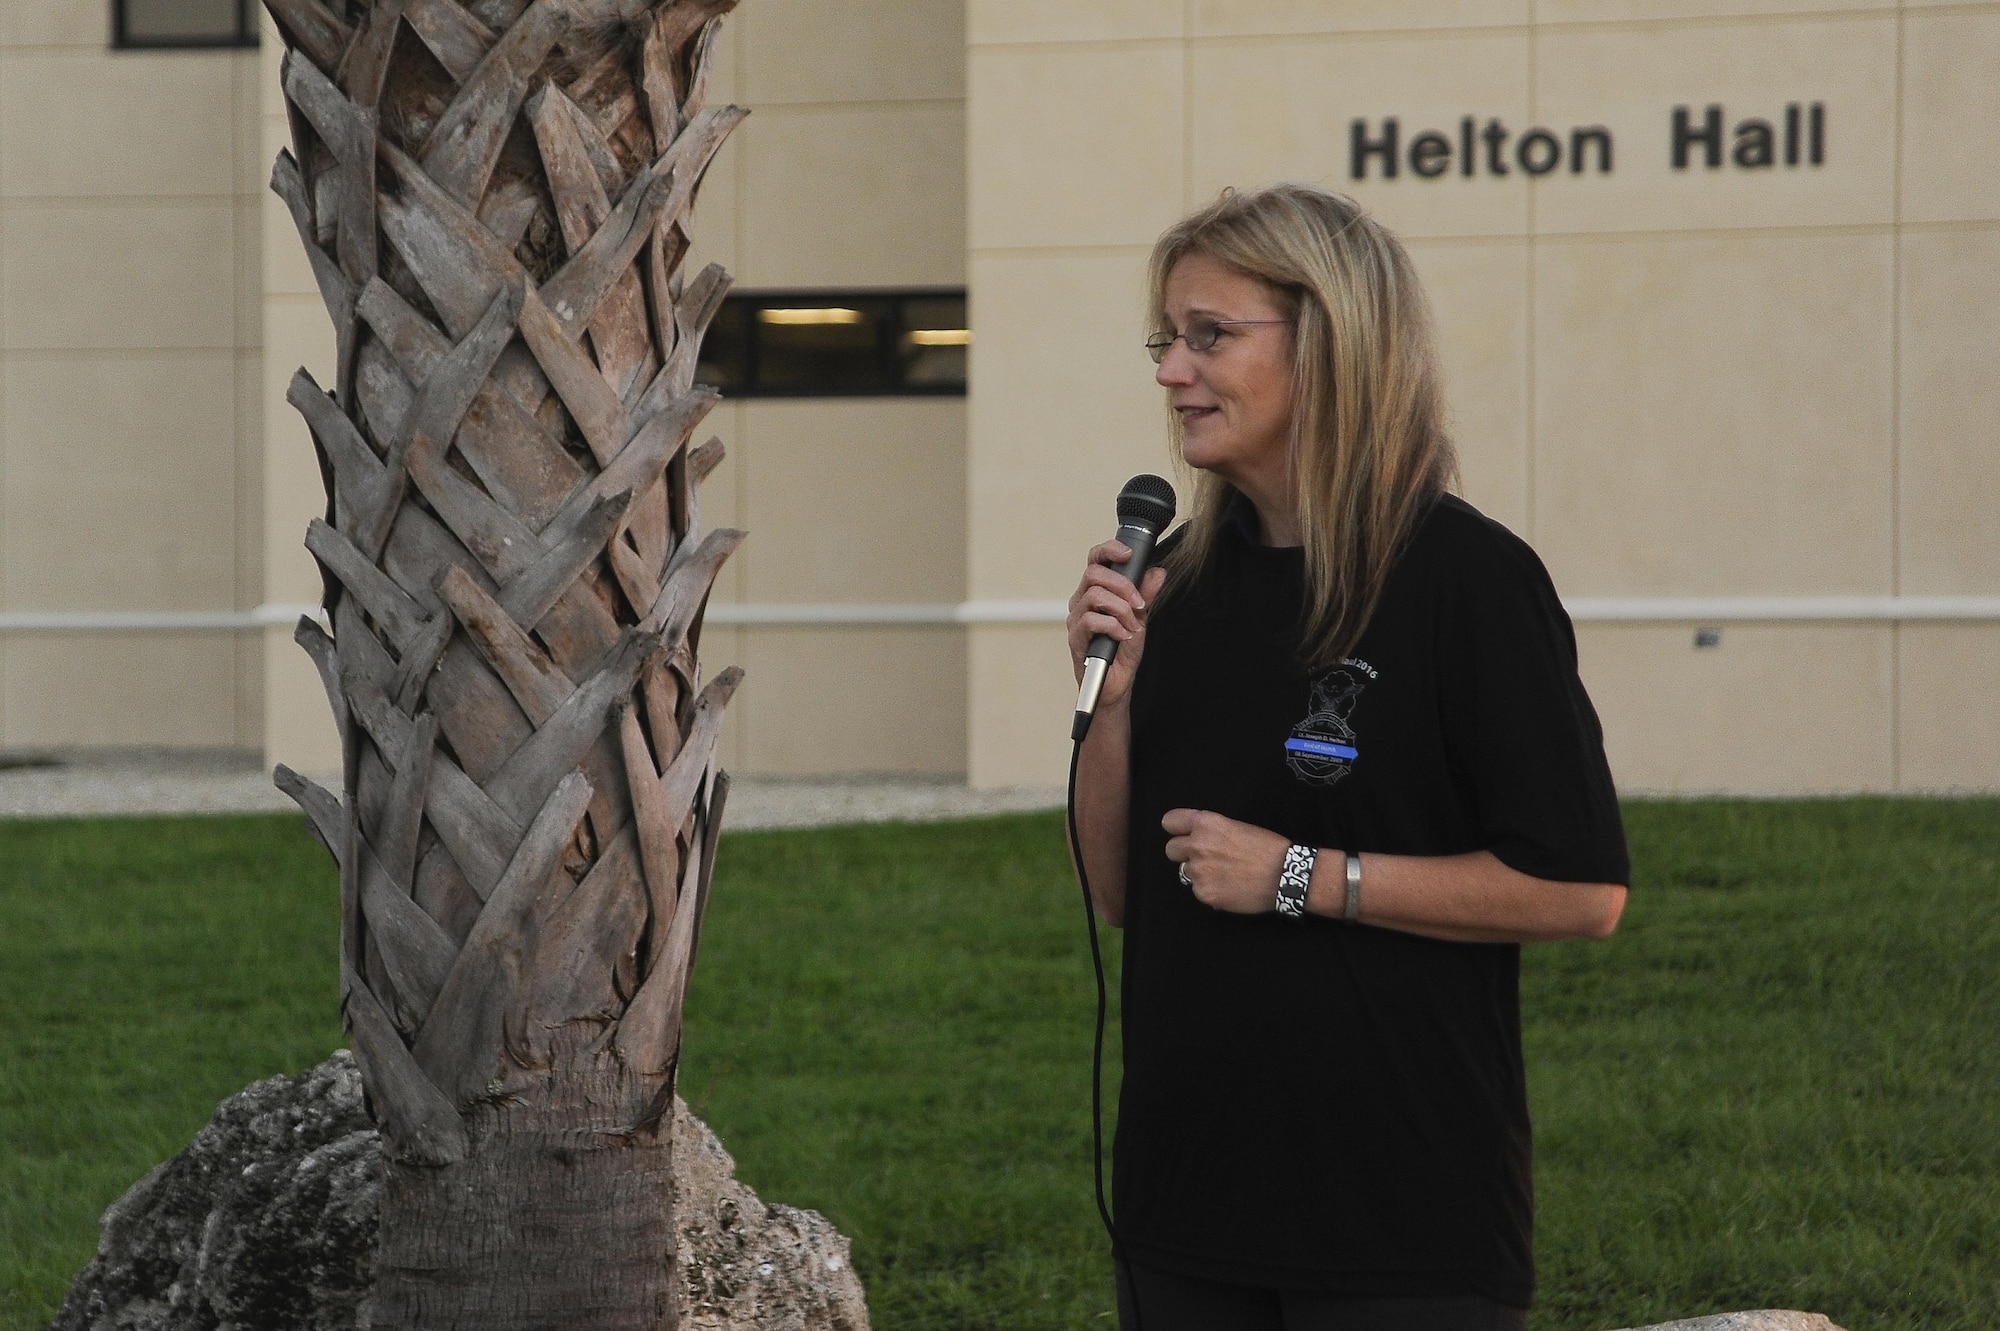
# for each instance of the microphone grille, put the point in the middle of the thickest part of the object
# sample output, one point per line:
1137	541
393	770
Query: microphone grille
1147	500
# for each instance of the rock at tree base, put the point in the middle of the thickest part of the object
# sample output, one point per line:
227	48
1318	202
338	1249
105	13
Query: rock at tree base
266	1222
1768	1319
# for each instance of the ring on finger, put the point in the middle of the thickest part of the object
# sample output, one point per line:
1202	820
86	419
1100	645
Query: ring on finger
1186	881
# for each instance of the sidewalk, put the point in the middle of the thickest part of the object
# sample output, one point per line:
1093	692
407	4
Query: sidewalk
97	782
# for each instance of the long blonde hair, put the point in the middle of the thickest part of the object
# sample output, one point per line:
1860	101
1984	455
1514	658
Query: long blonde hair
1368	447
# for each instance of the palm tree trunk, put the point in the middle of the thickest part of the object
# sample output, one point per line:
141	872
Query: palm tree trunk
494	197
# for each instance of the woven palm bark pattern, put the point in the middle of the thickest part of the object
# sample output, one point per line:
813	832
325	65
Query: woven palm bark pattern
495	197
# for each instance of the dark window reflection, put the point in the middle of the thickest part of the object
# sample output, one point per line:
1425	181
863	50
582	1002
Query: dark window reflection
838	344
807	348
725	352
935	339
182	23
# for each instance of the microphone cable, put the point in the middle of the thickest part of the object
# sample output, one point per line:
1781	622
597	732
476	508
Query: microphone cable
1118	1261
1145	507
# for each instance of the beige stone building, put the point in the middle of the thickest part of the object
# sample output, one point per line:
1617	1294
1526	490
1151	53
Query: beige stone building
1715	281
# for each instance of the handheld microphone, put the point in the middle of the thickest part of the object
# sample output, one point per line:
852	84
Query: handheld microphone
1145	507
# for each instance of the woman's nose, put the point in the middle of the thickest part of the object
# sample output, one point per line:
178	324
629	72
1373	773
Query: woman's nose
1176	366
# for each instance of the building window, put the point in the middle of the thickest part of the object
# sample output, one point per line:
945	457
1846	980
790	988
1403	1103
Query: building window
838	344
152	25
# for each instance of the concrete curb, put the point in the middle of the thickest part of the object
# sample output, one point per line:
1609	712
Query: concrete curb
1767	1319
114	782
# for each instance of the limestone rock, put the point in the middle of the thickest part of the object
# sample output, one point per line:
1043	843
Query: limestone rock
267	1221
1768	1319
745	1263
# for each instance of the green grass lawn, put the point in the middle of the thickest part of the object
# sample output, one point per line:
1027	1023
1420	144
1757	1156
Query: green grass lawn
1778	1085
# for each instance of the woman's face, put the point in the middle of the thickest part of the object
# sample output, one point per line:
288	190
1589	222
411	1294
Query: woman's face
1234	399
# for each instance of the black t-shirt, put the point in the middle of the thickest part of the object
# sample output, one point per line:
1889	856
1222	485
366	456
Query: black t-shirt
1310	1104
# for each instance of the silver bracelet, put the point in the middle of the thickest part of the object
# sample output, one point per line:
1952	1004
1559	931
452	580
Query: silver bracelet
1295	880
1351	912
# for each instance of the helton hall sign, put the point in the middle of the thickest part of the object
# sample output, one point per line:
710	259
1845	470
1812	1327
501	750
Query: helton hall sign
1796	138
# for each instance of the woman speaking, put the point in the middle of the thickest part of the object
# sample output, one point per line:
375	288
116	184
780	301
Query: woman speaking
1342	767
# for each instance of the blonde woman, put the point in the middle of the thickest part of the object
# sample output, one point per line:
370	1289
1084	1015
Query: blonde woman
1341	769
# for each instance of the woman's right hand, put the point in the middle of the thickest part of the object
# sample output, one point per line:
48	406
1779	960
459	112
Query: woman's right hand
1105	601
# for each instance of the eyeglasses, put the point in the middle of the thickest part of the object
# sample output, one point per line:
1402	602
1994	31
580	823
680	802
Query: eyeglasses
1200	334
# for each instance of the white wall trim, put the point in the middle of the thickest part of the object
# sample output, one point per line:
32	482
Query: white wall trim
808	614
1779	609
1595	610
805	614
1012	612
155	621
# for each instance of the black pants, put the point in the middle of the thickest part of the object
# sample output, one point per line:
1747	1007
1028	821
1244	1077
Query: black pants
1179	1303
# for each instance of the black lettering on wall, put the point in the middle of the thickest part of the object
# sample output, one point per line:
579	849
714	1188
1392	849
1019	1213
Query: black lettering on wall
1539	152
1753	141
1709	136
1361	148
1754	144
1597	136
1430	154
1495	135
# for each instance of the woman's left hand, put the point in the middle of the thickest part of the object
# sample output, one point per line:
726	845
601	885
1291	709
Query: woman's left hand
1231	866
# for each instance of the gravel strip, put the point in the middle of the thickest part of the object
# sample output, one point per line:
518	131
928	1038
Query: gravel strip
799	802
100	782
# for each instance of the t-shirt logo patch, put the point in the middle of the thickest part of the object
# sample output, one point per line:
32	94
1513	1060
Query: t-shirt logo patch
1320	749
